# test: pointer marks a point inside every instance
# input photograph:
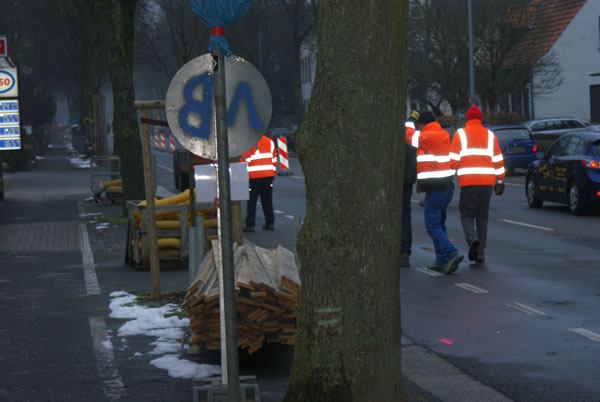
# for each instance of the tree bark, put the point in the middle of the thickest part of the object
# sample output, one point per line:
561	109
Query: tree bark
120	22
351	150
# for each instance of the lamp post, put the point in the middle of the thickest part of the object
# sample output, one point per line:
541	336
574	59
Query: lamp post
471	69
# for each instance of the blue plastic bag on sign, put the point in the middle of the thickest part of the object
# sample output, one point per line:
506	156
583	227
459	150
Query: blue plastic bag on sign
220	13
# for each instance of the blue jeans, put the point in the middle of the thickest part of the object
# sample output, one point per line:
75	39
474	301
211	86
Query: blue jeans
436	203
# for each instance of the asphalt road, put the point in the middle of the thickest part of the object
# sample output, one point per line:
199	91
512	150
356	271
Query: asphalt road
524	323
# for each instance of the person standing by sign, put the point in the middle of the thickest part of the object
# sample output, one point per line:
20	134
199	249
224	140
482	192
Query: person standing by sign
262	162
477	158
434	177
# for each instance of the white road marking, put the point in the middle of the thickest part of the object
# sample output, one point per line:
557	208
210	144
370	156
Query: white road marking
588	334
112	384
297	177
289	216
471	288
525	309
89	270
526	224
429	271
514	184
165	167
278	211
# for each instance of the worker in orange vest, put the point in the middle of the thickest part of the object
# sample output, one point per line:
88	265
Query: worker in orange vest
410	177
262	165
434	177
477	158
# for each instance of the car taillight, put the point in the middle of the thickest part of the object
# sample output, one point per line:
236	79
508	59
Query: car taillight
534	148
590	164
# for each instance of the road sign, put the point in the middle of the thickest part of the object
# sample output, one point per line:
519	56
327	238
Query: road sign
10	128
8	82
191	111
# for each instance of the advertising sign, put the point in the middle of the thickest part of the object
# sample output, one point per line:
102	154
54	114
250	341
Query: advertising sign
8	82
10	127
3	47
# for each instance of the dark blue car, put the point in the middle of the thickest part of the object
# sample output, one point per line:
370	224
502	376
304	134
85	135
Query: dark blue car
517	145
569	173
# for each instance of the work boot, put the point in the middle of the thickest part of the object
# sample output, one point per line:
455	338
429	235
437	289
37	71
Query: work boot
268	226
248	229
480	256
452	264
404	260
473	249
434	266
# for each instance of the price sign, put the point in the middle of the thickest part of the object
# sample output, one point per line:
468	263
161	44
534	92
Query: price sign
10	127
8	82
191	111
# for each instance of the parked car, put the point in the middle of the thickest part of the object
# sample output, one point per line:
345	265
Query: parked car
569	173
553	127
288	133
517	145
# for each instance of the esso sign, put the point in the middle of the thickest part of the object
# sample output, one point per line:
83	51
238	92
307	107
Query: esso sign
8	82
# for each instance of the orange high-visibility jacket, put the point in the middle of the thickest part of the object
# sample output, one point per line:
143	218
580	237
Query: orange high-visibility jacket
261	159
409	129
433	157
476	155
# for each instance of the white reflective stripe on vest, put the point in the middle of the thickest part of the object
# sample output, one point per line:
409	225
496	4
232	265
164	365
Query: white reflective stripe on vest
433	158
415	138
262	168
466	151
256	156
438	174
454	156
497	158
409	124
500	171
476	170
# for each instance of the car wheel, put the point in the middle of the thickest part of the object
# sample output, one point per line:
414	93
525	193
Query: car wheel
533	197
576	204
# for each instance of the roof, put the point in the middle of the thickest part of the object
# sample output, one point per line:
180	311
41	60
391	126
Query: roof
546	21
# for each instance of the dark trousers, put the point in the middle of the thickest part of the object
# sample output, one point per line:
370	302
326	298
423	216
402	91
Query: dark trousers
406	220
474	206
264	188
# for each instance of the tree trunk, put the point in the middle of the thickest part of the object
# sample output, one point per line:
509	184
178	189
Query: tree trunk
120	18
351	150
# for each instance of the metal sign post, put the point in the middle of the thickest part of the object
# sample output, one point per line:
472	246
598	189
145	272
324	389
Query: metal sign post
225	232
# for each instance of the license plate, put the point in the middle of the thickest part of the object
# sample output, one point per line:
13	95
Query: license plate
514	150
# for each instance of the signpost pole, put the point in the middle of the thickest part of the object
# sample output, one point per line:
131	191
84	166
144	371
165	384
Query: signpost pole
225	231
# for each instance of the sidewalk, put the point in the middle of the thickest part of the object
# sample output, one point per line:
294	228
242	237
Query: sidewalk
426	376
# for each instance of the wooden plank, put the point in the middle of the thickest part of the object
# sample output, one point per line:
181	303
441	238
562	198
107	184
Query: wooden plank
286	265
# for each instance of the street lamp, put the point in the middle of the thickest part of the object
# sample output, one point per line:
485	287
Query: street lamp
471	69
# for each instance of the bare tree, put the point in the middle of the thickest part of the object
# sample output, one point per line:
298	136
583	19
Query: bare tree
118	18
348	346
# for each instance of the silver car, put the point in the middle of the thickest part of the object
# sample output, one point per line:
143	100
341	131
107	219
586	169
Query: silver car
553	127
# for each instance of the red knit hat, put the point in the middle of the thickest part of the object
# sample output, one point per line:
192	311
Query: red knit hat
473	113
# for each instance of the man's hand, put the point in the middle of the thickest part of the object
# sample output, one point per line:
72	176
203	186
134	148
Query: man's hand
499	187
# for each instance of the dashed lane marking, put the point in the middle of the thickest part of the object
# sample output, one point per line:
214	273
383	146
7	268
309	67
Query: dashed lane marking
471	288
527	225
525	309
112	383
289	216
587	333
89	270
429	272
164	167
278	211
297	177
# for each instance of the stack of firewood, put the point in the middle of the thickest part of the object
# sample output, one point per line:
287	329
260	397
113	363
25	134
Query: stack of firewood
266	299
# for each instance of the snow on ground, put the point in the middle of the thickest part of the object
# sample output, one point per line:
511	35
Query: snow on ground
153	321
